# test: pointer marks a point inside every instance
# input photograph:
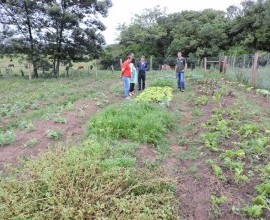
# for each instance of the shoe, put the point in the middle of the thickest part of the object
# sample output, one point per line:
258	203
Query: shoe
130	94
182	90
127	97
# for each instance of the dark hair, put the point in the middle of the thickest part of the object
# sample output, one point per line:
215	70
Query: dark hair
128	57
133	60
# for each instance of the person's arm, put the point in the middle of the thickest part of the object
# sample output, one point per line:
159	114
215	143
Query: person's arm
122	69
185	65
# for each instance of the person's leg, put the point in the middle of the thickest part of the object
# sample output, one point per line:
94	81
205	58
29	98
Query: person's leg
139	81
178	80
126	81
143	81
182	81
132	87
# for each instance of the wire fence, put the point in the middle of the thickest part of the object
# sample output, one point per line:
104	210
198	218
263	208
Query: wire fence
15	68
249	69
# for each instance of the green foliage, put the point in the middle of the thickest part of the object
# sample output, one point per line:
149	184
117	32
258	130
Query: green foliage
216	169
7	137
31	143
215	205
217	200
60	120
196	77
163	83
53	134
137	121
233	154
248	129
254	210
156	94
25	125
211	140
202	100
78	183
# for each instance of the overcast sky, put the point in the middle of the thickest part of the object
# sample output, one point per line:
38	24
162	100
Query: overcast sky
123	10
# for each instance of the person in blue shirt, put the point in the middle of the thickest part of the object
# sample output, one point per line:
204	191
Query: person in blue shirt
142	66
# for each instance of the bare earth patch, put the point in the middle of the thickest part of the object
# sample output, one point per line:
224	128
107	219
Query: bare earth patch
73	129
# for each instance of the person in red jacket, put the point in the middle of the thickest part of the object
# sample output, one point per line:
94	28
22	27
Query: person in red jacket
126	75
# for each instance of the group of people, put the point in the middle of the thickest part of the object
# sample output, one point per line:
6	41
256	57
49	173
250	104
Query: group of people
132	73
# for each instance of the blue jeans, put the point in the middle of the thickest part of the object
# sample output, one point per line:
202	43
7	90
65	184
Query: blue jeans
126	81
180	80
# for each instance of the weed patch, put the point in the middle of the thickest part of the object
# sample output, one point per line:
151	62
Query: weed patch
137	121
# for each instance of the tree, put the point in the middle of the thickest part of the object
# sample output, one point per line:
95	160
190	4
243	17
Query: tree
251	29
59	29
200	33
144	34
20	19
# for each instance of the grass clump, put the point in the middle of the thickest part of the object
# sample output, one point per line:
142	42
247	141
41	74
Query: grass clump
7	137
137	121
53	134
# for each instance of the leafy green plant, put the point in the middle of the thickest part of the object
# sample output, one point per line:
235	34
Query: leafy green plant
233	154
255	211
7	137
31	143
216	169
217	200
248	129
202	100
60	120
156	94
211	140
215	204
53	134
26	125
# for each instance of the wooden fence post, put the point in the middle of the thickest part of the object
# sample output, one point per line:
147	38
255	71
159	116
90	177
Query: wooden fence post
254	69
205	64
224	66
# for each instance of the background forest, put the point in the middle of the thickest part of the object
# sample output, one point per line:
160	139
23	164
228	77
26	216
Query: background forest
51	33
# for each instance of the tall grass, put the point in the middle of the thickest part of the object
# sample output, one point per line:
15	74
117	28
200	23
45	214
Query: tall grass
137	121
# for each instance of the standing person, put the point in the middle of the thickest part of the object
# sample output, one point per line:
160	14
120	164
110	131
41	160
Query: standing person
180	68
134	77
126	75
142	66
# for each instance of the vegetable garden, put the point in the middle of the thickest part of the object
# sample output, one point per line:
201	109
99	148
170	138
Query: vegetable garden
78	150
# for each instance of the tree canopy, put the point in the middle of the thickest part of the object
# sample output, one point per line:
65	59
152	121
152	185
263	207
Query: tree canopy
238	30
60	30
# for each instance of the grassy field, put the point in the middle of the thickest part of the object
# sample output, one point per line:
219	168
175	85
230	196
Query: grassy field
79	150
